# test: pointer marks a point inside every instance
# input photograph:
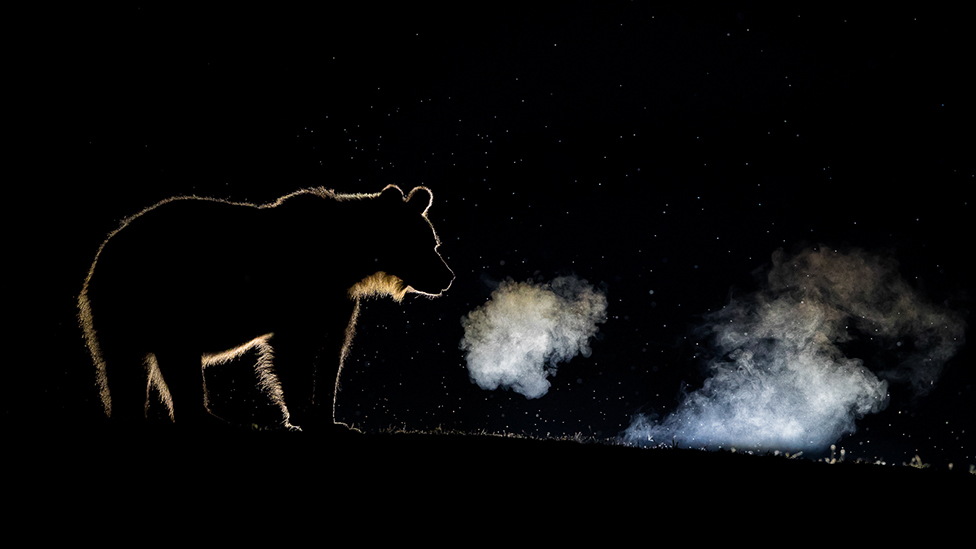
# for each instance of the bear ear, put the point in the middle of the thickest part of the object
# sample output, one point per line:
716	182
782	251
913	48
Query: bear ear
420	198
391	193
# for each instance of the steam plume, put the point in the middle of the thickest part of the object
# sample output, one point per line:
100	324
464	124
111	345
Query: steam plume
783	380
517	338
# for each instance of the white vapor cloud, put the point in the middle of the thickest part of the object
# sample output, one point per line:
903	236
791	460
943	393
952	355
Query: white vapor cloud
783	381
517	338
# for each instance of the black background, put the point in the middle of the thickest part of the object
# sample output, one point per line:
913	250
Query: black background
637	146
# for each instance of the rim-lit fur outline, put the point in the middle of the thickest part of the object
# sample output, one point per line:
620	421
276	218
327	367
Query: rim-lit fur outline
379	284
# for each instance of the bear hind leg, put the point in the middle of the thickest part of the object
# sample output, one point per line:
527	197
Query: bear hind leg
125	376
178	375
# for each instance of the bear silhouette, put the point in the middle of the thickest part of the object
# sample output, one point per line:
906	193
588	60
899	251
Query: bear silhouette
192	282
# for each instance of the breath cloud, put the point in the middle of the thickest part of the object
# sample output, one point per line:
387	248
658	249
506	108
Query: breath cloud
517	338
783	380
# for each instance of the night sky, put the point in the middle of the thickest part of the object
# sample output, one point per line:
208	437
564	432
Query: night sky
663	155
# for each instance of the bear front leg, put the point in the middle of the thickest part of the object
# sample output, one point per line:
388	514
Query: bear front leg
307	358
293	365
329	369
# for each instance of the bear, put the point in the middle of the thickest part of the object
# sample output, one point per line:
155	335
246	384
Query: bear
191	282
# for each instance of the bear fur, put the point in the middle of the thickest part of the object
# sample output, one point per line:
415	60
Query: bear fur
195	281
